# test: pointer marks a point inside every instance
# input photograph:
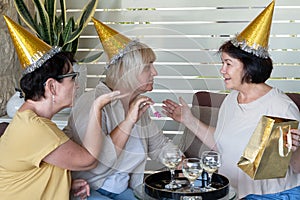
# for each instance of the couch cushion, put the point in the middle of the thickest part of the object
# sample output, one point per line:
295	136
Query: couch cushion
295	97
209	99
189	143
3	126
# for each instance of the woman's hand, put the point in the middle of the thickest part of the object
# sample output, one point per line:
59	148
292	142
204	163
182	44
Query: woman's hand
80	188
295	160
295	138
122	132
179	113
138	107
104	99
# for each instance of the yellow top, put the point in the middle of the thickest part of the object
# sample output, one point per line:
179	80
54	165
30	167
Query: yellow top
23	174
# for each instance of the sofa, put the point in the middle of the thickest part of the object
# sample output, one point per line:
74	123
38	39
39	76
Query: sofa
3	126
205	106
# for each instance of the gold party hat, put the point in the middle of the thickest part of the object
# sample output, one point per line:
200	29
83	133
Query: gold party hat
114	44
32	52
255	37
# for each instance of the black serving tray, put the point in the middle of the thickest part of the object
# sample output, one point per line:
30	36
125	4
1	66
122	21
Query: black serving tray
155	186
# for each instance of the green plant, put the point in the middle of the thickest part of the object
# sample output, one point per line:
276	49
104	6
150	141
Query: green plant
54	28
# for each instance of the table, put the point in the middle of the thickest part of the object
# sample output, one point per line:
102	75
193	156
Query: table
139	192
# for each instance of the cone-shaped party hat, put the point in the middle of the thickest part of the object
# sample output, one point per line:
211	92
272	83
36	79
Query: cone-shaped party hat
255	37
32	52
114	44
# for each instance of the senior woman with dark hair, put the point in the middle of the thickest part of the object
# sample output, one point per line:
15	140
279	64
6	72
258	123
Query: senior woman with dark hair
133	135
35	155
246	66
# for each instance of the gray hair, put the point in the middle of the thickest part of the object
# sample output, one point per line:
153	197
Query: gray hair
124	72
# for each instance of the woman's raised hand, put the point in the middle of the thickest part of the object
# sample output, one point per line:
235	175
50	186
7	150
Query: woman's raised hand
104	99
138	107
178	112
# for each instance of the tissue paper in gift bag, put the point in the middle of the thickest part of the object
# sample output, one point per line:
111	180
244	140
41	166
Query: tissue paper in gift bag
266	155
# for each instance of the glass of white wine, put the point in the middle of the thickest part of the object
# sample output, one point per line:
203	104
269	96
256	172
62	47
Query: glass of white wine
211	161
191	168
171	158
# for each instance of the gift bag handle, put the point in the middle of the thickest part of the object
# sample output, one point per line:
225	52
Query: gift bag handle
280	142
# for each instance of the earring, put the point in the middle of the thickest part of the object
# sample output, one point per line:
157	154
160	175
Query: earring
53	98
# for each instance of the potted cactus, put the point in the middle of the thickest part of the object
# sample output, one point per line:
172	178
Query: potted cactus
55	29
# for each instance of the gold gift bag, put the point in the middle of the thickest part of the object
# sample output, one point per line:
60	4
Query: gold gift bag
266	155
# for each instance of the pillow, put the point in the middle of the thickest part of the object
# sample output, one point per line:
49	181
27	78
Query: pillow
3	126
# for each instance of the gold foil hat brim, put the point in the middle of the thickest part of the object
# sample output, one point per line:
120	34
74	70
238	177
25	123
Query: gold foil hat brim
255	37
32	51
114	44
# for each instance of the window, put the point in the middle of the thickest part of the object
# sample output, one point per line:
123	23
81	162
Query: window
186	34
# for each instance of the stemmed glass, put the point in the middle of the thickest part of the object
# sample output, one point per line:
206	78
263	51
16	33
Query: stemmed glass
191	168
171	158
211	161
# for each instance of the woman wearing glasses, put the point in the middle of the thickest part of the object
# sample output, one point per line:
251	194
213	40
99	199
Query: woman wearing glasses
35	155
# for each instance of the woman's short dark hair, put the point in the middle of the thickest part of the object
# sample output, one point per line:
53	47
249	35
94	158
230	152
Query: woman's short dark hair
32	84
256	70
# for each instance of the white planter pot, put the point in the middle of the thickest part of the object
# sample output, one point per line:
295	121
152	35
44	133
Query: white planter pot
13	104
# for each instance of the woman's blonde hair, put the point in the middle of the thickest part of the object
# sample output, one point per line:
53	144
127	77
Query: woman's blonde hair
124	72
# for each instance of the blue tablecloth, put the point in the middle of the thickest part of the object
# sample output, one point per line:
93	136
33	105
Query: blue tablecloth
291	194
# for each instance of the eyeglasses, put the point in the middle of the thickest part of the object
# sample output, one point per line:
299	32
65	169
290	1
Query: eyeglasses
72	74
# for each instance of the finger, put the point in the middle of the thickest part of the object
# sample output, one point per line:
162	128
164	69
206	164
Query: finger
167	113
296	137
167	109
109	97
173	104
181	100
77	183
170	102
144	108
113	93
80	192
143	101
88	190
120	96
296	142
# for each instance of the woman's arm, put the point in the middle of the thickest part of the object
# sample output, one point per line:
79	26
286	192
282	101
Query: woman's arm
182	113
122	132
71	155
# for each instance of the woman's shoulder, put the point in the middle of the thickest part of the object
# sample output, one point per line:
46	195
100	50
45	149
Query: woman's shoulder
30	117
30	121
232	96
90	95
102	88
278	95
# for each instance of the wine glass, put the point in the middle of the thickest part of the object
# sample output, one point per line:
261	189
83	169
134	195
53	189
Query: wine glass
171	158
191	168
211	161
